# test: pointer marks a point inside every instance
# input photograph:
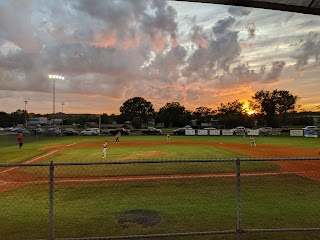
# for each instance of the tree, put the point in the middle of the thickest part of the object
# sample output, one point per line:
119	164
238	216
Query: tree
4	119
17	117
203	114
233	114
174	114
274	106
136	122
104	118
137	106
231	108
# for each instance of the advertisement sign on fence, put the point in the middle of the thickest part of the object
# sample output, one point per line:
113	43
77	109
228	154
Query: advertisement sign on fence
202	132
296	133
227	132
190	132
310	133
253	132
215	132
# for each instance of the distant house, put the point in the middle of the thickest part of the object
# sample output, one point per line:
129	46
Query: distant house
114	125
38	120
55	121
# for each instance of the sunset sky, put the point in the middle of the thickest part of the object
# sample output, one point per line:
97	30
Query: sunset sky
164	51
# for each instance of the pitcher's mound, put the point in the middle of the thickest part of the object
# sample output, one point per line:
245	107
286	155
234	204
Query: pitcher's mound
145	218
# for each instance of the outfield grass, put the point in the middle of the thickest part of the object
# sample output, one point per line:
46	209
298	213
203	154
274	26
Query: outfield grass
12	155
184	206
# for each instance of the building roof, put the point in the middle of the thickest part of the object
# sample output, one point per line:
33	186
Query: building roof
299	6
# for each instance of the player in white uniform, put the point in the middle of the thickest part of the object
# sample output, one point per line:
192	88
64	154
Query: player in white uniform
168	138
105	146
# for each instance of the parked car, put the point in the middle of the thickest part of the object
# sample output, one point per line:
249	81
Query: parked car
122	131
1	129
265	130
90	131
22	130
181	131
38	131
70	132
151	131
53	132
14	129
240	130
310	128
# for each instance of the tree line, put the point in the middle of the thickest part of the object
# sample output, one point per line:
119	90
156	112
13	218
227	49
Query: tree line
271	108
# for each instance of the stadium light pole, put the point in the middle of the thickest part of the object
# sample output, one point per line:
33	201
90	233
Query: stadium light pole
54	77
25	112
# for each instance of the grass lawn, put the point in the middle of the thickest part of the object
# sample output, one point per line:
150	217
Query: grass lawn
129	154
11	154
183	206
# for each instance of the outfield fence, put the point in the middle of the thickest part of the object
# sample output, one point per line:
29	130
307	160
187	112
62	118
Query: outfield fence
10	139
247	198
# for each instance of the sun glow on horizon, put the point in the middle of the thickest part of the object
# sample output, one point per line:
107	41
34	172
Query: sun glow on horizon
248	110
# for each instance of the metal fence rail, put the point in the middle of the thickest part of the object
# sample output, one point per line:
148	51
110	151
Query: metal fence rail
95	178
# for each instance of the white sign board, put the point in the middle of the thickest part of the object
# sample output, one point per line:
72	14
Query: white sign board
202	132
214	132
190	132
296	133
227	132
253	132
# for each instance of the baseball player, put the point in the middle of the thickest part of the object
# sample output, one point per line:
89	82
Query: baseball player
168	138
118	137
253	141
20	141
105	146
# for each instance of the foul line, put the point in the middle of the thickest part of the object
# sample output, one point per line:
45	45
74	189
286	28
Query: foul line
32	160
146	178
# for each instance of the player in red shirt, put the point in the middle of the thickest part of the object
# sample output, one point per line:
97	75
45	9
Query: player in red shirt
20	141
253	141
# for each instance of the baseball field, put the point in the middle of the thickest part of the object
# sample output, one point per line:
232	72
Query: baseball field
149	186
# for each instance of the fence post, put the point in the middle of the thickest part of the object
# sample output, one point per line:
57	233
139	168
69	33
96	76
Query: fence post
51	202
239	213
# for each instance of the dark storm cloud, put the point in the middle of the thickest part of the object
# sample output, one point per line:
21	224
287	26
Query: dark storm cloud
222	25
275	71
198	36
244	74
15	24
308	48
222	49
103	39
239	11
166	66
156	19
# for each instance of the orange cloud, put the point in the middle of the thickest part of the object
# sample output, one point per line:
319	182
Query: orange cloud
247	45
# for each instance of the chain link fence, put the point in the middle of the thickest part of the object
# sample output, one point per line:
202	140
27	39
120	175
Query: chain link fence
165	199
10	139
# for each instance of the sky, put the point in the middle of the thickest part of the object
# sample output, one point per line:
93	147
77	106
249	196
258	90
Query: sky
196	54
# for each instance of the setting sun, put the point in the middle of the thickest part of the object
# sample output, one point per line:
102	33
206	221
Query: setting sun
250	112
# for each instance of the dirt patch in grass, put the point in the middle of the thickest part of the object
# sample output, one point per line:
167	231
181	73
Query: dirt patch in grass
145	218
